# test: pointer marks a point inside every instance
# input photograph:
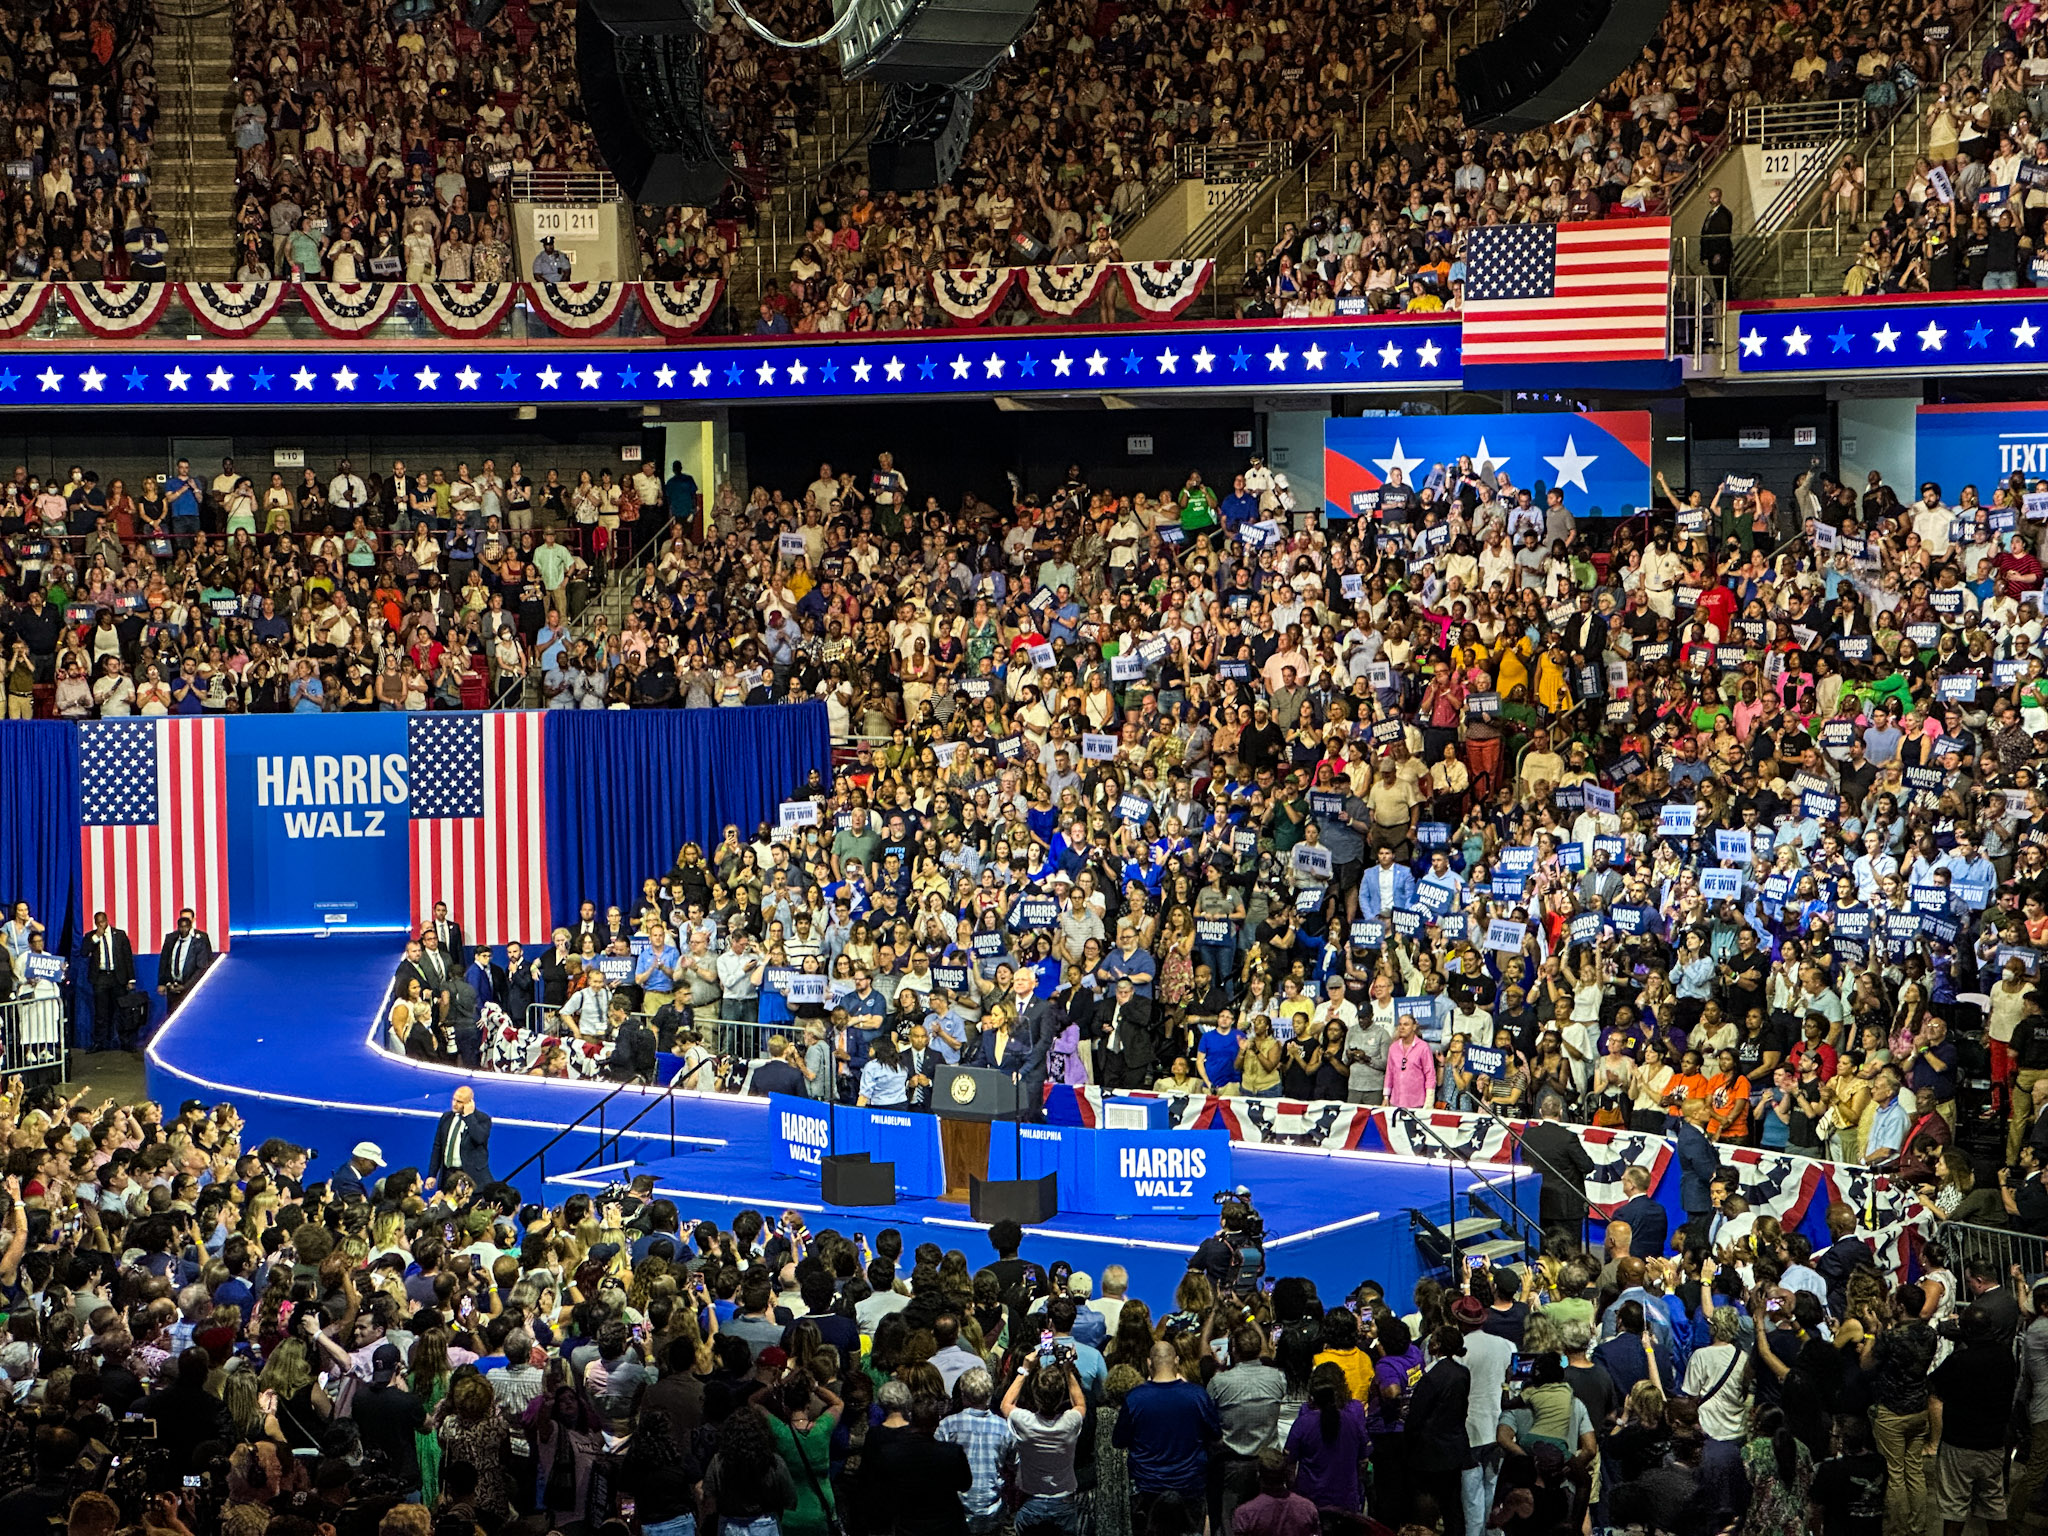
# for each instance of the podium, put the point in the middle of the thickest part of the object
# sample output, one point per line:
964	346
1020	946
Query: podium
968	1100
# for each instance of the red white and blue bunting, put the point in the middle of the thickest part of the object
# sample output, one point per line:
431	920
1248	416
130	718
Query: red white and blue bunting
578	309
680	309
350	309
969	295
111	310
1162	290
22	305
233	309
1061	292
463	310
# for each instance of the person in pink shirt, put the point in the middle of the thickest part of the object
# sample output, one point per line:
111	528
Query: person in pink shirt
1411	1068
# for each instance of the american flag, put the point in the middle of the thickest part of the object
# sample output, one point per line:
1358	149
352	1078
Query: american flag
1592	293
155	796
478	825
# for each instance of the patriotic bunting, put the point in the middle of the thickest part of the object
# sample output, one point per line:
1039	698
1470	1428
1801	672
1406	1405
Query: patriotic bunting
111	310
466	309
969	295
1060	292
578	309
350	309
233	309
1161	290
21	306
680	309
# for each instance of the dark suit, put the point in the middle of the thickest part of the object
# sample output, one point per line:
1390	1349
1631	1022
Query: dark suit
435	967
472	1147
1016	1054
489	982
1837	1262
1560	1157
1040	1022
1129	1056
554	980
110	966
1649	1226
926	1063
1698	1162
516	993
634	1053
459	1017
448	935
183	961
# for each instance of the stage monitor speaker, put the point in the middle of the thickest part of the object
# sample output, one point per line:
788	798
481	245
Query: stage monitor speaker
640	65
930	42
1024	1201
1553	60
922	136
853	1179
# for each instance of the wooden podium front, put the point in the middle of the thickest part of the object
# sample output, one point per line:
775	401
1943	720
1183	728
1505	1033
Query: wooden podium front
963	1148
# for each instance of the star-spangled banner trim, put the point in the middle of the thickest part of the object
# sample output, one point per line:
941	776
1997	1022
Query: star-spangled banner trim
1355	356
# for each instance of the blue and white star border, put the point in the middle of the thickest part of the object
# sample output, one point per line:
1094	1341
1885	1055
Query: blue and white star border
1350	356
1918	338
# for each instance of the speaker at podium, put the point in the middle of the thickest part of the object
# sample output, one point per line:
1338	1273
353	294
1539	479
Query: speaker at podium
968	1100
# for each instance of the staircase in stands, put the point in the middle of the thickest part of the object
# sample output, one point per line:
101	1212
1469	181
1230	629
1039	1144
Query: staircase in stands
193	163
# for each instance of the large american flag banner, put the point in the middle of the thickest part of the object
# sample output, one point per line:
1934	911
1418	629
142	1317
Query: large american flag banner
154	840
1592	293
478	824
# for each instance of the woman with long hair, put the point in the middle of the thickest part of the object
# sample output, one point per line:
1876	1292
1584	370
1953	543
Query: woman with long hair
748	1485
1780	1472
662	1476
1331	1445
805	1413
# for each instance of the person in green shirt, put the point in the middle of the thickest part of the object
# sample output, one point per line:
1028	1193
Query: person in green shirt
1197	505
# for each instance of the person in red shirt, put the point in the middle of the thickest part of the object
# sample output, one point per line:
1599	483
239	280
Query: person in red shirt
1815	1044
2019	571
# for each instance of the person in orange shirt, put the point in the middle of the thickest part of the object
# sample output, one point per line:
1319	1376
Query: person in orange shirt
1687	1083
1728	1101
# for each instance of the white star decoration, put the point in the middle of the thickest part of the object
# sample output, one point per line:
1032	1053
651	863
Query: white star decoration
428	379
303	378
588	377
765	373
467	378
892	370
345	378
960	366
1887	339
550	377
177	378
2024	333
861	369
1390	356
798	372
700	376
220	379
92	379
1482	457
1428	353
1062	366
665	376
994	365
1313	357
1397	460
1205	361
1795	342
1931	337
50	378
1753	344
1097	363
1571	465
1276	360
1168	361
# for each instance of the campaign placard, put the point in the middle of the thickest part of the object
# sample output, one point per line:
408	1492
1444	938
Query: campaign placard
1098	748
1505	936
797	813
1678	820
1721	884
1486	1060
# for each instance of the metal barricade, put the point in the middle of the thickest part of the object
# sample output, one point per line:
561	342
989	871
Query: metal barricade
34	1040
1999	1247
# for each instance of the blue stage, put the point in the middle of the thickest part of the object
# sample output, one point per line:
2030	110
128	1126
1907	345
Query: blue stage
284	1028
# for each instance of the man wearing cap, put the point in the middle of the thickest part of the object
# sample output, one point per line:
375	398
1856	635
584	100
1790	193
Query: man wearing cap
388	1416
549	265
349	1181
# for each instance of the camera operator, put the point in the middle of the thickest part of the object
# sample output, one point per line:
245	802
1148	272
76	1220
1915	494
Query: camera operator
1234	1257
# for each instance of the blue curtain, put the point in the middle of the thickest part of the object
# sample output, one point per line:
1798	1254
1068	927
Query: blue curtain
40	862
627	788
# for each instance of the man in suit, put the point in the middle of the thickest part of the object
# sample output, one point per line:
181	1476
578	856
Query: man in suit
1599	883
1560	1157
487	979
635	1051
110	966
1129	1058
516	992
1387	887
1698	1164
1648	1223
447	934
462	1142
435	963
186	954
921	1062
551	972
1038	1021
460	1017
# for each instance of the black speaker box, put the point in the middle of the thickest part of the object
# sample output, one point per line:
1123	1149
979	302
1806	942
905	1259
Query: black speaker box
933	42
641	71
923	134
1024	1201
1553	60
852	1179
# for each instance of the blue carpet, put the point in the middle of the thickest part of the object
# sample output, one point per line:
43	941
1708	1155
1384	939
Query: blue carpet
283	1026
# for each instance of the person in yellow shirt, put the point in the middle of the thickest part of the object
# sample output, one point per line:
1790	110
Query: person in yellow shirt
1553	691
1514	664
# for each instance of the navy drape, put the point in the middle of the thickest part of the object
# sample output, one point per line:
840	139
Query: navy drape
627	788
40	862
